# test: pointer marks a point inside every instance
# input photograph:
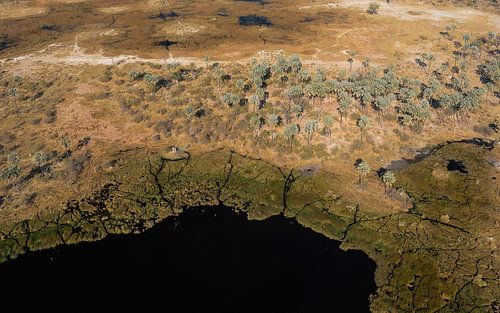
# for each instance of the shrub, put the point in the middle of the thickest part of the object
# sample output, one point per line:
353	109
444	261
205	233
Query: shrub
373	8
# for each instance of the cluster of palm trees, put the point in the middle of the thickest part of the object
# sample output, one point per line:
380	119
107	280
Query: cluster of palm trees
382	91
39	161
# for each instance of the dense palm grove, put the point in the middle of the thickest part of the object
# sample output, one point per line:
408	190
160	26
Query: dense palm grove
282	103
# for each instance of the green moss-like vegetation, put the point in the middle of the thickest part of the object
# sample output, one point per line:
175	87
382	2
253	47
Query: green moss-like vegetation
424	262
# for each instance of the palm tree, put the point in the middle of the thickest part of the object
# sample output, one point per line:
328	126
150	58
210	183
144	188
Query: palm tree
363	169
230	99
315	90
466	37
240	84
206	59
39	159
350	61
290	131
295	63
344	105
362	123
366	63
451	28
389	179
491	36
257	122
429	57
65	142
382	103
328	123
219	76
304	75
310	127
260	73
293	93
352	54
13	169
255	101
273	120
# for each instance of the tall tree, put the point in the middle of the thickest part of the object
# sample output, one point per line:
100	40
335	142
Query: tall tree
327	124
344	105
363	169
65	142
13	169
389	179
295	63
351	54
310	127
39	159
362	123
290	131
273	120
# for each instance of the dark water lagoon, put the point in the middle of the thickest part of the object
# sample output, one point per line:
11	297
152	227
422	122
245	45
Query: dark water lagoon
204	260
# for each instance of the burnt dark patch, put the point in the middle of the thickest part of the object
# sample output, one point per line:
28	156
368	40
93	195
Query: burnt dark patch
35	171
77	165
243	102
163	83
254	20
165	16
37	95
494	126
51	116
261	2
200	113
82	143
458	166
420	63
50	27
309	170
165	43
307	19
6	42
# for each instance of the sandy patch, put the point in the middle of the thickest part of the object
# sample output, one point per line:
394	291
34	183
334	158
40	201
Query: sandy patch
17	11
114	9
181	28
413	12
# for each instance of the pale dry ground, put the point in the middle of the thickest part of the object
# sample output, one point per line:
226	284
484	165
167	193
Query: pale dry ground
9	11
398	34
416	11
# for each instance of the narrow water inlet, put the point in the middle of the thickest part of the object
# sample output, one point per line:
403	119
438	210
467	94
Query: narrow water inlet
204	260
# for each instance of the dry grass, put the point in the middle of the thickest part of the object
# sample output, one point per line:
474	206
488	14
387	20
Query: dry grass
320	31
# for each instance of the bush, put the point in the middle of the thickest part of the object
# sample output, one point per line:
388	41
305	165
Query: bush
136	75
373	8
